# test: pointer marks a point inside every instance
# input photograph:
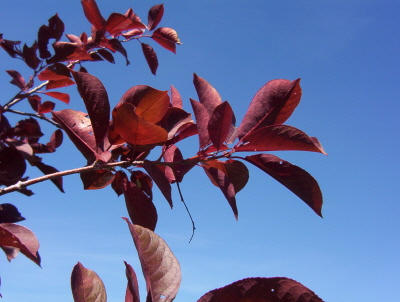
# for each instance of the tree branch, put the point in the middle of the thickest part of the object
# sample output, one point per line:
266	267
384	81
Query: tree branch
42	117
17	99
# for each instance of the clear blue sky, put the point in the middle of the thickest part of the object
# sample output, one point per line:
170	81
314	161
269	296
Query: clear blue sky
347	54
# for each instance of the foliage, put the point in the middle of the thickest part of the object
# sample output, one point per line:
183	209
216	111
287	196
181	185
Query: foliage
117	150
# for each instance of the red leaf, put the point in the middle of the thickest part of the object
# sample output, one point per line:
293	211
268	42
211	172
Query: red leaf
96	101
63	97
202	119
55	140
180	168
278	289
140	207
151	57
30	57
10	47
117	23
208	95
66	51
176	98
157	174
119	181
160	268
166	37
117	45
292	177
278	138
220	124
9	213
13	235
134	129
46	169
17	79
155	15
86	285
106	55
55	72
93	14
272	104
79	130
97	179
59	83
12	166
28	128
132	288
46	107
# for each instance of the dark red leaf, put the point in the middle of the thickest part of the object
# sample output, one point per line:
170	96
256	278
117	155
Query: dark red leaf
292	177
117	45
272	104
64	97
46	107
67	51
140	207
46	169
17	79
10	47
30	57
178	170
56	27
237	173
79	130
143	181
54	30
185	131
132	288
208	95
86	285
220	124
119	181
202	119
35	101
55	140
97	179
157	174
13	235
160	268
9	213
278	289
151	57
166	37
117	23
55	72
155	15
93	14
96	101
176	98
278	138
131	15
28	128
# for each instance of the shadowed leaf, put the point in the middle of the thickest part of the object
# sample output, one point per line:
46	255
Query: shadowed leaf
46	169
12	166
106	55
30	57
151	57
9	213
278	289
154	16
292	177
118	182
160	268
157	174
132	288
179	169
55	72
13	235
86	285
220	124
202	118
17	79
97	179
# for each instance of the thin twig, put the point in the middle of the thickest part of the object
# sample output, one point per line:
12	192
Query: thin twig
17	99
187	210
42	117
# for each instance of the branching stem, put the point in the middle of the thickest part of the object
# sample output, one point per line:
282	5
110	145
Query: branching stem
187	210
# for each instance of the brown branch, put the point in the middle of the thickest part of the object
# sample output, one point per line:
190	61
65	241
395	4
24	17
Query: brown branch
42	117
19	97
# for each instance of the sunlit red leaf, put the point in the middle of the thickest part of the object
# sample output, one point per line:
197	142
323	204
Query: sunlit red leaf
160	268
155	15
135	129
176	98
17	79
13	235
86	285
117	23
59	83
79	129
292	177
278	138
166	37
96	101
220	124
64	97
140	207
12	166
9	213
272	105
202	118
97	179
208	95
278	289
93	14
157	174
132	288
151	57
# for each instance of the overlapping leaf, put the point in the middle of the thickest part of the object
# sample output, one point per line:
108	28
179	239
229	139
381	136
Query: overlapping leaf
132	288
220	124
97	179
154	16
202	118
160	268
208	95
17	79
179	168
12	166
117	23
278	289
9	213
292	177
86	285
157	174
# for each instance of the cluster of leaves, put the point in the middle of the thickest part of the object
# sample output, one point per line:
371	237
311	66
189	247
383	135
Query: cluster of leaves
145	120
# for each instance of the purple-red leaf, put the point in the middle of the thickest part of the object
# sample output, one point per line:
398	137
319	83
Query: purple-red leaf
117	23
157	174
151	57
86	285
202	118
179	168
106	55
278	289
30	57
97	179
140	207
272	104
220	124
166	37
132	288
176	98
96	101
13	235
279	138
120	179
17	79
12	166
155	15
160	268
208	95
117	45
9	213
292	177
93	14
